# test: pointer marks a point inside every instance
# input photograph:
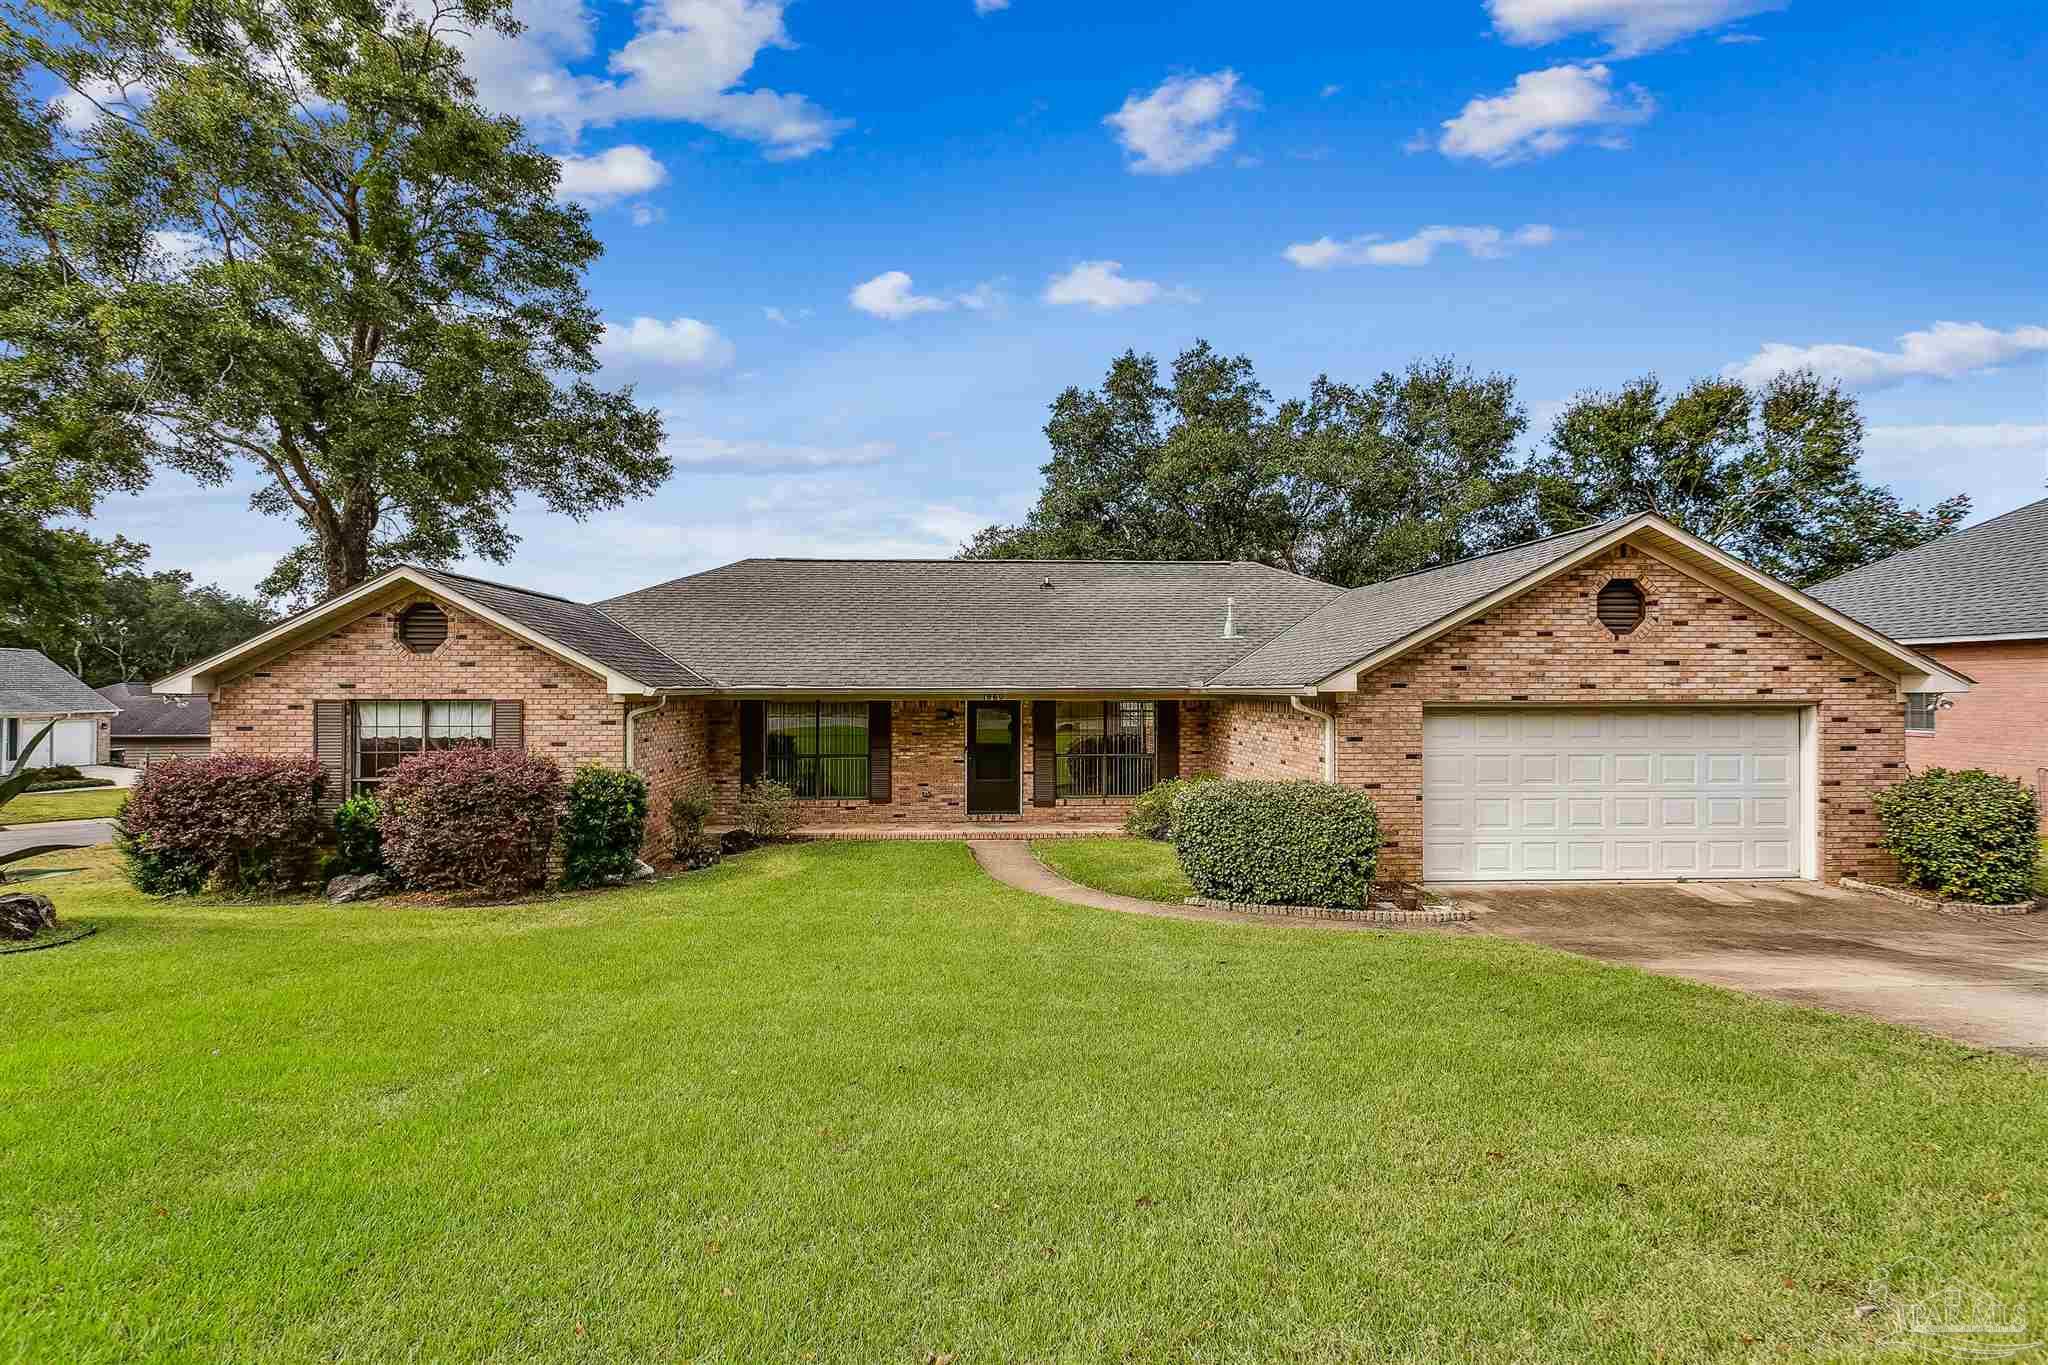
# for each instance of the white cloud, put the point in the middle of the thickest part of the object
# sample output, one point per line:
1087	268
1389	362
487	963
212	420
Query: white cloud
1102	286
1183	124
646	215
1543	113
988	7
986	297
1332	89
650	347
1737	38
610	176
81	107
1374	249
889	295
1943	351
1629	27
688	61
175	248
700	450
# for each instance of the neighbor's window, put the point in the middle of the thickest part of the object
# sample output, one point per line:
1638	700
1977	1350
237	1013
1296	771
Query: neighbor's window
1920	712
1106	748
387	732
818	749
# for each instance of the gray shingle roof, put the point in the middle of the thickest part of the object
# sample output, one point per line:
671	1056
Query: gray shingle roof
585	629
154	715
1368	619
966	625
1991	579
30	684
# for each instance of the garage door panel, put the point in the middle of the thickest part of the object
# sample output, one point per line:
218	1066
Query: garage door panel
1589	794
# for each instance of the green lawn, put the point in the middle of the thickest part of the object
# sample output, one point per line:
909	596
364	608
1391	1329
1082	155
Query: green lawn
37	807
1144	868
857	1103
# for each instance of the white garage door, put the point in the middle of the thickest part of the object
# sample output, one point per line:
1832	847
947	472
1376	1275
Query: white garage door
1528	795
75	742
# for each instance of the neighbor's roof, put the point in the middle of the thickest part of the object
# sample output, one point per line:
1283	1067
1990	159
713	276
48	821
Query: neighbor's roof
967	625
31	685
1989	580
152	715
583	628
1363	621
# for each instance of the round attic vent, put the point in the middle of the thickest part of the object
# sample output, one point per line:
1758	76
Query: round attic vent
1620	605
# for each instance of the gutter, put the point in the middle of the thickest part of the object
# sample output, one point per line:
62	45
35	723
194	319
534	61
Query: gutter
632	722
1329	735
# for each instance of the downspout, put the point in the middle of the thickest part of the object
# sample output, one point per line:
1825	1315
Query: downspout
633	722
1329	735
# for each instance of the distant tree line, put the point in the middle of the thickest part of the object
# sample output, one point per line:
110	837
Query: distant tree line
1352	484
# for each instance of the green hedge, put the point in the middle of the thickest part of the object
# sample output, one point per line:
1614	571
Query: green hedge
1151	814
1969	835
605	825
1278	843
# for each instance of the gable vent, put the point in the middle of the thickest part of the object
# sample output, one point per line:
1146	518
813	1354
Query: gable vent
422	628
1620	605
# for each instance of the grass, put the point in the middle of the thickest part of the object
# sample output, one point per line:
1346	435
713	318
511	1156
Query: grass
38	807
855	1102
1145	868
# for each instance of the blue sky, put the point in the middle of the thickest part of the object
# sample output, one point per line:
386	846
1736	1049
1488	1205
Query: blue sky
1571	191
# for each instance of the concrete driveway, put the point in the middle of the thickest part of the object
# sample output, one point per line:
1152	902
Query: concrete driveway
73	833
1979	981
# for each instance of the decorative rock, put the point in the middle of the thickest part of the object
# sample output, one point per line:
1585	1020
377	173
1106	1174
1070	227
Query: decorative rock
641	873
23	916
361	886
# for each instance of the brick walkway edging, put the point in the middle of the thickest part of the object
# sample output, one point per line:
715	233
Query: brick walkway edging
1969	909
1456	914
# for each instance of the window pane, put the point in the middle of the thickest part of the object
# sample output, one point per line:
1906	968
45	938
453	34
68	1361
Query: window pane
818	749
451	722
1105	748
1920	711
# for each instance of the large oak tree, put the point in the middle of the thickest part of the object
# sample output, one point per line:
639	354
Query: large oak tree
282	234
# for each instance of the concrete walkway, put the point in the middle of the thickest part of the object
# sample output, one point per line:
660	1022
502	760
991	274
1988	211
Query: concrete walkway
1010	862
71	833
120	777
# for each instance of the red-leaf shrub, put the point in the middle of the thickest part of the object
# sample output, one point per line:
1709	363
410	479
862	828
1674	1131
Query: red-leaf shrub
471	819
239	821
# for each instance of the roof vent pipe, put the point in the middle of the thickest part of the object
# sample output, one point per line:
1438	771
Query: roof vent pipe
1047	584
1230	630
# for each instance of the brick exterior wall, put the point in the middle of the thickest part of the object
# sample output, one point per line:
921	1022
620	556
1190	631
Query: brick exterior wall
2001	724
1696	646
269	710
671	749
1266	739
928	767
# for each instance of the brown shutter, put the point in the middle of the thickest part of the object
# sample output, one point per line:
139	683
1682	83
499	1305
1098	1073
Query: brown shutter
508	725
1045	753
879	774
751	727
330	748
1168	766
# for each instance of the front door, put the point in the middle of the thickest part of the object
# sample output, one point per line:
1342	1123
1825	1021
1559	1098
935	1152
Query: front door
993	729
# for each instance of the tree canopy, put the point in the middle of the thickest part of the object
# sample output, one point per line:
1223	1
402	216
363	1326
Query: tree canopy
1354	484
1346	483
131	625
283	233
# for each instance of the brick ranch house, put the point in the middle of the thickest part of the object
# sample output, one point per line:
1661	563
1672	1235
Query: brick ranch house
1976	602
1622	701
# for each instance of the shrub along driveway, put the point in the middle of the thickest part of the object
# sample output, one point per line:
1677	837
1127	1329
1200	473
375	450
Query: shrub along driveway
859	1103
1982	981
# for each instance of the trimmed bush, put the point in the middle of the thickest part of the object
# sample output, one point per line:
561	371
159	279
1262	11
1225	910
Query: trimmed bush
1151	814
358	843
1278	843
472	819
605	825
1968	835
235	821
688	843
768	810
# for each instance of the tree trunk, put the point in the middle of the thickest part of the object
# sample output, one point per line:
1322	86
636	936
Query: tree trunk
345	544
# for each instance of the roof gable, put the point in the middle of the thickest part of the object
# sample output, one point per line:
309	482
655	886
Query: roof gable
32	684
1990	580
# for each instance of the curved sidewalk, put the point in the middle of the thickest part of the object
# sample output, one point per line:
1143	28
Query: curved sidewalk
1012	863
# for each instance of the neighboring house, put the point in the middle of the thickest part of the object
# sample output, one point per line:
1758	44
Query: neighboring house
152	728
33	693
1623	701
1977	601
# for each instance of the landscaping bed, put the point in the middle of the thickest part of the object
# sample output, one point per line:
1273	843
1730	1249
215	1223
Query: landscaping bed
856	1101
